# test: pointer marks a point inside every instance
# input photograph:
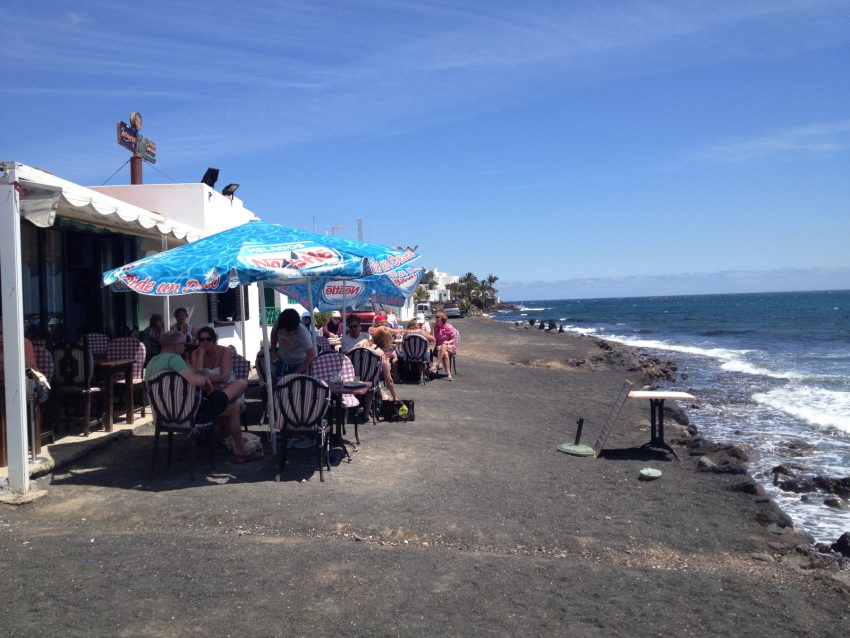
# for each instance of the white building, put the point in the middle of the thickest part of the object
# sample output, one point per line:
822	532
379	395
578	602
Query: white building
440	292
57	238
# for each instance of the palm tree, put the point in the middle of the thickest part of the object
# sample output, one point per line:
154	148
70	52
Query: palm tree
421	293
488	290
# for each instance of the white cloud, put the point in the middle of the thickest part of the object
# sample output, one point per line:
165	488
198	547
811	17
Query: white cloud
818	138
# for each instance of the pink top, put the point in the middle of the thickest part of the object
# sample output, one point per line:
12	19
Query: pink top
444	333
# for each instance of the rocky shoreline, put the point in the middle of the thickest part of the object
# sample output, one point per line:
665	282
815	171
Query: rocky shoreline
724	458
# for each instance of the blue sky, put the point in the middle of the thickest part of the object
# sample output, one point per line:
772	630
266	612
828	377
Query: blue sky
571	148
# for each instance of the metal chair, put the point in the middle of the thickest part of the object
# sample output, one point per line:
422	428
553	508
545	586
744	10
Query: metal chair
415	349
323	345
175	402
241	369
453	355
301	403
97	342
44	363
260	367
72	379
330	367
124	348
368	367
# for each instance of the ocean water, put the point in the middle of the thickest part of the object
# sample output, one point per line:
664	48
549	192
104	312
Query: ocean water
769	370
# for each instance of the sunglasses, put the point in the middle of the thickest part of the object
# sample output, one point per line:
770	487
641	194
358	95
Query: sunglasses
205	339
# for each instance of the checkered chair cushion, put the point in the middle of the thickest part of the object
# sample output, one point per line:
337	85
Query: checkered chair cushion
97	343
323	344
240	366
44	361
333	364
127	348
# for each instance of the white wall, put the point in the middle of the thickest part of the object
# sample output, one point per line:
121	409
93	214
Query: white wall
210	212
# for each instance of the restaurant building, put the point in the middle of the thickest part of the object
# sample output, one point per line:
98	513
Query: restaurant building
57	238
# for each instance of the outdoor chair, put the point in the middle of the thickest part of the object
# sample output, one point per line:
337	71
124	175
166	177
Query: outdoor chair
415	348
44	363
260	367
301	403
453	355
241	369
330	367
97	342
323	345
175	402
124	348
368	367
72	382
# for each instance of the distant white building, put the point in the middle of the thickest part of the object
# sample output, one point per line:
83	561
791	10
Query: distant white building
440	291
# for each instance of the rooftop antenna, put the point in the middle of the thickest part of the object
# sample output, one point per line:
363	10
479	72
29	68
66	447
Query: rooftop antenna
332	230
359	229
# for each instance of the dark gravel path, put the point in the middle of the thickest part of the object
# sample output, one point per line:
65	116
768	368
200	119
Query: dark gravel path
466	522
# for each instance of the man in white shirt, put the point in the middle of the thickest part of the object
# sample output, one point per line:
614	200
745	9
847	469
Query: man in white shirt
353	335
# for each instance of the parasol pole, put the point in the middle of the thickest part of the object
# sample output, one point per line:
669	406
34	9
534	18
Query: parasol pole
267	364
166	309
344	286
242	317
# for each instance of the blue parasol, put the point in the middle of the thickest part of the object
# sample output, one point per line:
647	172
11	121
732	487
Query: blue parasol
332	293
254	252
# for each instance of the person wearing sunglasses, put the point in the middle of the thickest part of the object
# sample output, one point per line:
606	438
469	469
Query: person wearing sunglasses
216	363
220	400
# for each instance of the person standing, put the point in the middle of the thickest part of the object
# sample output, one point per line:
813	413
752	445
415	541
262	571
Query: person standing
293	348
182	324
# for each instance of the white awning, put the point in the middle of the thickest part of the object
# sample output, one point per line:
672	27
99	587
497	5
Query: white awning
44	196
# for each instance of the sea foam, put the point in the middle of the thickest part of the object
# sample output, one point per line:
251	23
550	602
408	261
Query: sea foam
819	406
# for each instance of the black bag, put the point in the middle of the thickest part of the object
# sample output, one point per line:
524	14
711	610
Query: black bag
390	410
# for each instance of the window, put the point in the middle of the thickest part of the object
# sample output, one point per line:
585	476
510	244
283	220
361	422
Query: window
224	306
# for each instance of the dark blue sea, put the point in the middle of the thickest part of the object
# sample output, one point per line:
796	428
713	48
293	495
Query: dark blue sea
769	369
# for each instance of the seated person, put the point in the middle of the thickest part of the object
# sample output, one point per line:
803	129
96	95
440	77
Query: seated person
151	336
380	342
416	328
215	402
445	335
379	323
420	319
42	388
182	324
307	320
333	328
353	335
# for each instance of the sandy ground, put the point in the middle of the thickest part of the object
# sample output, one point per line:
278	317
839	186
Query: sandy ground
466	522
